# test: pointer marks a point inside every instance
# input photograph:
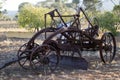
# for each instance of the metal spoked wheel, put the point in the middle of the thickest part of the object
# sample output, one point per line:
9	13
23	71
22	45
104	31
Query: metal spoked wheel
24	61
24	55
22	48
45	58
107	48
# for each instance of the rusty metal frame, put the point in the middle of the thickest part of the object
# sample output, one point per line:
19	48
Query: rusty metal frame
86	37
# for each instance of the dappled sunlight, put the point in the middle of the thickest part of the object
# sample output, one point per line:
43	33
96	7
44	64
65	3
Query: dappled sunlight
96	70
60	40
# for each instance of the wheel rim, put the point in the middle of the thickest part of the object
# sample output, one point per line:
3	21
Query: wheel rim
24	55
108	48
24	60
22	49
47	59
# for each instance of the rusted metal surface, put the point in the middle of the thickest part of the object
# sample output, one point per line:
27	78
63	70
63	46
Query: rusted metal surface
66	37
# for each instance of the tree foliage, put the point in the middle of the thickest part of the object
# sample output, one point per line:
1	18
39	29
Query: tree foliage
75	1
91	4
107	21
32	17
116	10
2	12
23	4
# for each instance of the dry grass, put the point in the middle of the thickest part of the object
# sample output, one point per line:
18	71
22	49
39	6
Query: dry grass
96	70
8	22
11	26
8	50
13	30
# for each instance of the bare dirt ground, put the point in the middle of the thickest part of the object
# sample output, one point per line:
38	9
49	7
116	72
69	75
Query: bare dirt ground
96	70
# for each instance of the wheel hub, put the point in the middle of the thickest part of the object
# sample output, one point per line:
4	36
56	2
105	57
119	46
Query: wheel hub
107	48
45	60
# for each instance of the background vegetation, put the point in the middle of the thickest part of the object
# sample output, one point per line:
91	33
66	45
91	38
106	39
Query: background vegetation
32	16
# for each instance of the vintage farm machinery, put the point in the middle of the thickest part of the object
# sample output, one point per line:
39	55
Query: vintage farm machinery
47	46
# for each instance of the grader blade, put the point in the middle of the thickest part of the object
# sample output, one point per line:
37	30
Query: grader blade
74	62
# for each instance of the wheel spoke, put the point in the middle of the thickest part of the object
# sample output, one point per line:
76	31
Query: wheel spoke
24	54
24	62
44	58
108	48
